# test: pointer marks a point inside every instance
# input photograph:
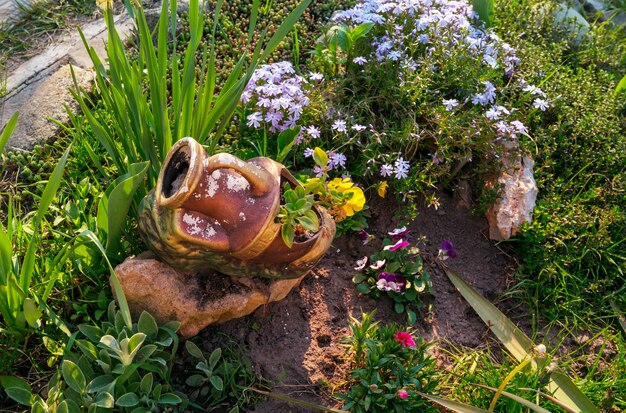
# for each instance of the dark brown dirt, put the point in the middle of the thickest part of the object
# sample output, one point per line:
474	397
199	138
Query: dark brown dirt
296	342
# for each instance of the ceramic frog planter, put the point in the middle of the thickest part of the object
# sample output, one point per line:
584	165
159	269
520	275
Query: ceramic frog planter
218	212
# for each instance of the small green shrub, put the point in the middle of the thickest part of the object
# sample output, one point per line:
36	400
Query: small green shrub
388	368
396	271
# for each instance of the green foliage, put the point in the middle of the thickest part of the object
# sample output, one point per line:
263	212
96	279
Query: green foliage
337	46
383	369
38	20
296	215
19	304
152	106
397	273
572	251
117	369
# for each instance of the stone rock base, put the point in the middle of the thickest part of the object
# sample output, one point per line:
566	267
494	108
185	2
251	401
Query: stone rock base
517	201
196	300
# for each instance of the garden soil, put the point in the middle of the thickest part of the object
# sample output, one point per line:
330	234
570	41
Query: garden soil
296	343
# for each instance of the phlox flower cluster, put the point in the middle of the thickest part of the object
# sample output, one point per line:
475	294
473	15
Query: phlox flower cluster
277	95
416	29
421	35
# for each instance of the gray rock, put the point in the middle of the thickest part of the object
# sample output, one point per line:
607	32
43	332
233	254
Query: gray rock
48	102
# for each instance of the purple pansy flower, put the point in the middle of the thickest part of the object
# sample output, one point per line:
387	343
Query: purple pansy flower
447	250
390	282
398	233
360	264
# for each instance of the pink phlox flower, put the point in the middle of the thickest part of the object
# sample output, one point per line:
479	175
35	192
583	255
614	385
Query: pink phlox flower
398	245
403	394
404	338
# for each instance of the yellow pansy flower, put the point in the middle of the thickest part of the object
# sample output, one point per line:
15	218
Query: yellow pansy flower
382	189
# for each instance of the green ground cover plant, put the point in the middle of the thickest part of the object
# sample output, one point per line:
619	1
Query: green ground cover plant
397	99
37	20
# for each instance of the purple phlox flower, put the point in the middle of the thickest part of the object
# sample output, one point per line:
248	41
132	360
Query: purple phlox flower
541	104
318	171
401	243
401	168
378	265
361	264
450	104
358	127
308	152
399	233
390	282
313	131
254	120
437	159
316	77
493	113
339	125
519	127
359	60
336	159
386	170
447	250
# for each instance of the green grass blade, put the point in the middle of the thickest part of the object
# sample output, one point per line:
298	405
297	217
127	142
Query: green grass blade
518	399
254	16
8	130
552	399
453	405
301	403
49	192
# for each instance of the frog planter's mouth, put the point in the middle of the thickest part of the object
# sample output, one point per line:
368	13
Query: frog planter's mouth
180	173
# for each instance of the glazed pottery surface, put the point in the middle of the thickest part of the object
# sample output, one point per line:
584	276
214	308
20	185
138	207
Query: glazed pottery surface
217	212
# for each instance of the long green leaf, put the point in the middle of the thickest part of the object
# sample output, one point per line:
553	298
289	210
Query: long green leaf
621	86
49	192
8	130
485	10
620	316
518	399
519	345
297	402
453	405
117	203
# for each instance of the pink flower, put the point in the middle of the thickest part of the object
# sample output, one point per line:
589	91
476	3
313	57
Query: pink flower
400	244
403	394
404	338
